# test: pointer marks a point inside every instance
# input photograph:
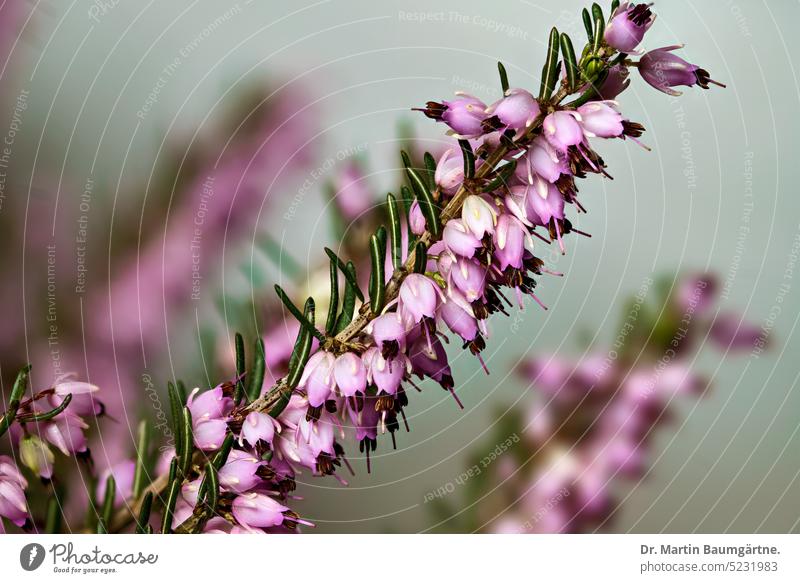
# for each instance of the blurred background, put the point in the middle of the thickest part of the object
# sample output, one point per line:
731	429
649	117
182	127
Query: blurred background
164	163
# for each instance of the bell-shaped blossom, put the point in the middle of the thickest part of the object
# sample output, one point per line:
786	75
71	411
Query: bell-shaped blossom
469	277
12	492
258	428
509	242
628	25
211	404
419	296
449	174
458	239
239	472
123	473
429	359
617	80
350	374
416	220
459	316
37	456
385	374
543	160
317	379
478	216
257	510
318	435
66	432
389	333
209	435
664	70
516	110
562	129
464	115
600	120
543	202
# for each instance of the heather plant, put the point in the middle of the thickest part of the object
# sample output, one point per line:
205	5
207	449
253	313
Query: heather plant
459	244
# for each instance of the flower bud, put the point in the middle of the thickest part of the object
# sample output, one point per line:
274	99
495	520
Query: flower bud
416	220
36	456
449	172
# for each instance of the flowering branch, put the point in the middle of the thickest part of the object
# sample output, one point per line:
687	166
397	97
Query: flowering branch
459	236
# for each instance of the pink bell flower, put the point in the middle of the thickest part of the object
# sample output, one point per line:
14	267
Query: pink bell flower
350	374
599	119
257	428
516	110
628	25
664	70
478	216
257	510
419	296
449	174
13	505
562	129
317	379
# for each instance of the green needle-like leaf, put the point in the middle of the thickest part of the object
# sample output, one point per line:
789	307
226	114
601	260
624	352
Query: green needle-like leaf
587	24
424	197
614	6
377	287
298	315
175	407
169	506
241	367
17	392
108	506
570	64
420	257
550	70
141	472
256	376
396	230
187	437
350	276
430	166
302	348
47	416
285	262
503	76
599	27
212	486
52	523
349	300
333	304
143	520
469	158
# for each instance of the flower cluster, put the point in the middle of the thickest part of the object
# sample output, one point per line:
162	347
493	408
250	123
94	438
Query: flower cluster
591	421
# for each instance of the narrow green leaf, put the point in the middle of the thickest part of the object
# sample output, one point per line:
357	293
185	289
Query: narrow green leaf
377	286
349	300
396	231
256	376
502	175
222	455
503	76
599	26
302	348
587	24
350	276
333	304
407	197
211	496
241	367
169	506
175	406
141	472
424	197
420	257
298	315
181	387
570	64
47	416
52	522
108	505
469	158
550	70
143	520
614	6
187	437
430	167
17	392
